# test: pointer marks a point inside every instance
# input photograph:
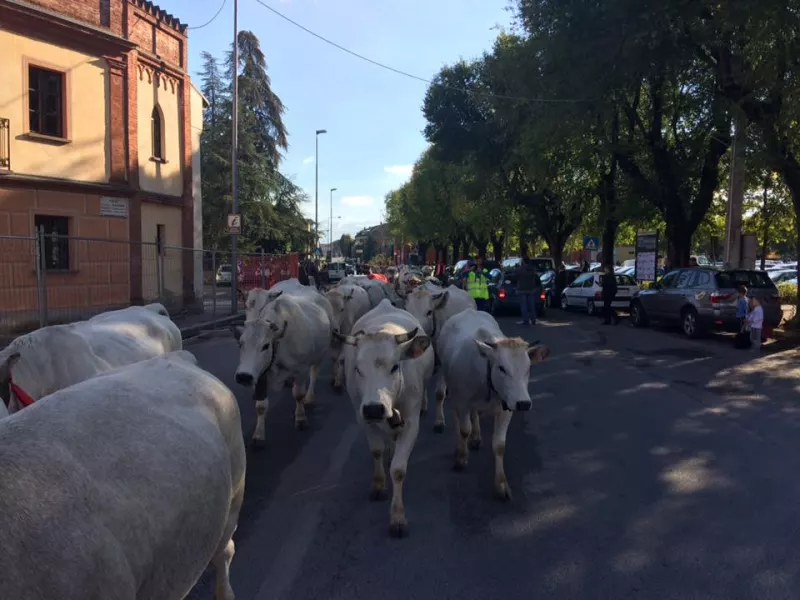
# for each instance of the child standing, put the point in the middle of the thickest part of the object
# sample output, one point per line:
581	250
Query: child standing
755	321
741	307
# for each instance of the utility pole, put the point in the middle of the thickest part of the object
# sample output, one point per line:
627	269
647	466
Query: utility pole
733	221
316	192
330	225
235	159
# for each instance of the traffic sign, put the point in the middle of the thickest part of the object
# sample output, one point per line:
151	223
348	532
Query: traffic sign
318	251
235	224
591	243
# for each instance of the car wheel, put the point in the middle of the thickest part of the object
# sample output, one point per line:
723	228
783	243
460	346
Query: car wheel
564	303
690	325
638	316
591	308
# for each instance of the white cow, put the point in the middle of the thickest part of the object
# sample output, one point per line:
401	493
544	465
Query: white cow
349	303
388	362
486	372
290	338
258	298
433	306
126	485
407	279
55	357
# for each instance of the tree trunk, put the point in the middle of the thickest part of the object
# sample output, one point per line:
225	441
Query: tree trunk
481	245
555	244
441	253
765	237
679	238
497	244
608	198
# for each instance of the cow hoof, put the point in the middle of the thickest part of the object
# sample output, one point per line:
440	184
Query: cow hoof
438	428
301	425
474	445
379	495
503	494
257	445
398	530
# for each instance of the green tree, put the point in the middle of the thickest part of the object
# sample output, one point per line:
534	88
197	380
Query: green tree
346	245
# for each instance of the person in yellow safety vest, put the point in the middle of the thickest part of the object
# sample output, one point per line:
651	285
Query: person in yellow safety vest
477	284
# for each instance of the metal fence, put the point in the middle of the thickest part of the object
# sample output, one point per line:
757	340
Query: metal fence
48	279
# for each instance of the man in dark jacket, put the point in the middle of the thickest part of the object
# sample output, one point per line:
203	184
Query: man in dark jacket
609	283
529	286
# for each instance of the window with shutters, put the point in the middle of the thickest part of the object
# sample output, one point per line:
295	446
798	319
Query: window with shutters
46	101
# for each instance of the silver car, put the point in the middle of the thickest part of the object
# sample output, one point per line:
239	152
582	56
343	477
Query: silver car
701	299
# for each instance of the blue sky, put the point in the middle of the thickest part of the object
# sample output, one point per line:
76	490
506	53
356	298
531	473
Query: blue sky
373	116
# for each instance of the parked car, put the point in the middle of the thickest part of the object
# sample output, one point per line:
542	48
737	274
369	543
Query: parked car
503	297
778	276
703	298
336	271
586	292
549	284
223	275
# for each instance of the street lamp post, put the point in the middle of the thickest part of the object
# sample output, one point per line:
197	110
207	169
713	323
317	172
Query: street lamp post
316	190
330	226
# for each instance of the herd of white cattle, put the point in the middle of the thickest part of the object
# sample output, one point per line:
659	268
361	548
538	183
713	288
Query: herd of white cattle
123	462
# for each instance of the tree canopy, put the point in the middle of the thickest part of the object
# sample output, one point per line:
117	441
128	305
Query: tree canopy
592	118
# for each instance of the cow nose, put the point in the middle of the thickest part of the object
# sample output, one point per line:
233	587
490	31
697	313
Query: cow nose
244	378
523	405
373	412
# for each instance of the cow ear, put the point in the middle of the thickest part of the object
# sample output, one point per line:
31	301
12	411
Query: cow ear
237	332
345	339
486	349
275	295
416	347
7	362
440	300
537	353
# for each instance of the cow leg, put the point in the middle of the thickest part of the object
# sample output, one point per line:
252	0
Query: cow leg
424	406
502	419
398	526
463	430
441	390
299	395
222	566
262	404
475	435
312	381
377	446
338	369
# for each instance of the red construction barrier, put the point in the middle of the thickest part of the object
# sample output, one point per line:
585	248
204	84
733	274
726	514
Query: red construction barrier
275	268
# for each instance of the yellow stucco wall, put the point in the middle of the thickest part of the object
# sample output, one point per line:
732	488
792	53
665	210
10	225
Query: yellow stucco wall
86	156
169	216
158	177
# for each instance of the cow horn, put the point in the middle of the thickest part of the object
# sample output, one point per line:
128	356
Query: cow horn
402	338
346	339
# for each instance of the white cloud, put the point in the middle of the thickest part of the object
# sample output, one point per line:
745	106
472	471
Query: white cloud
308	160
399	170
357	200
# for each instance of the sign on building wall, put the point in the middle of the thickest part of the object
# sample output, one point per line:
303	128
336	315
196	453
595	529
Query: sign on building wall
114	207
646	256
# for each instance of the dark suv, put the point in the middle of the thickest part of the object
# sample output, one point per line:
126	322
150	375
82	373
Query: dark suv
701	299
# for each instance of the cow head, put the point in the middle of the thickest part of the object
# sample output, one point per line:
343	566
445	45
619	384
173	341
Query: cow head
8	358
423	304
376	371
259	342
508	369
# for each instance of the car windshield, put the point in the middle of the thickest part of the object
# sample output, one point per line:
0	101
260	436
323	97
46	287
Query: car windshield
225	269
751	279
621	280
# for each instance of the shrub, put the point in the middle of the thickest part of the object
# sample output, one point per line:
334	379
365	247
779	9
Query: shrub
788	292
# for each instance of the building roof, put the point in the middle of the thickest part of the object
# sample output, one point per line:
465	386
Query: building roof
160	14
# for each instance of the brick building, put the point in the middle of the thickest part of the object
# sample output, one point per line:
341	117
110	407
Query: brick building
99	140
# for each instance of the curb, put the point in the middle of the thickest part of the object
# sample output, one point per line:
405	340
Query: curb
193	330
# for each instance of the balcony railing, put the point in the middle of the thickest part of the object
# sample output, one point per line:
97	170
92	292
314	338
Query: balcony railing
5	144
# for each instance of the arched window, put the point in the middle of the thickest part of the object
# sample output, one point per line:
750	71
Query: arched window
157	133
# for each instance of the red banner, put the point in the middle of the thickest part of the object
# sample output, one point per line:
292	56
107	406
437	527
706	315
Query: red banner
257	272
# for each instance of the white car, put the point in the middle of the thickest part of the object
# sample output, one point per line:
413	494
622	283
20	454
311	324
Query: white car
587	293
224	274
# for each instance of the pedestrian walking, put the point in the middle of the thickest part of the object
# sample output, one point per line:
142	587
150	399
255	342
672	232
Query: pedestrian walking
609	292
529	286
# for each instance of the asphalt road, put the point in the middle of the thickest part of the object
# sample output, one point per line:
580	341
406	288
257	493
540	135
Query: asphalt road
651	467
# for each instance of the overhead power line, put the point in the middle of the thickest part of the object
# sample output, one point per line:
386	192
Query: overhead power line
212	19
411	75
